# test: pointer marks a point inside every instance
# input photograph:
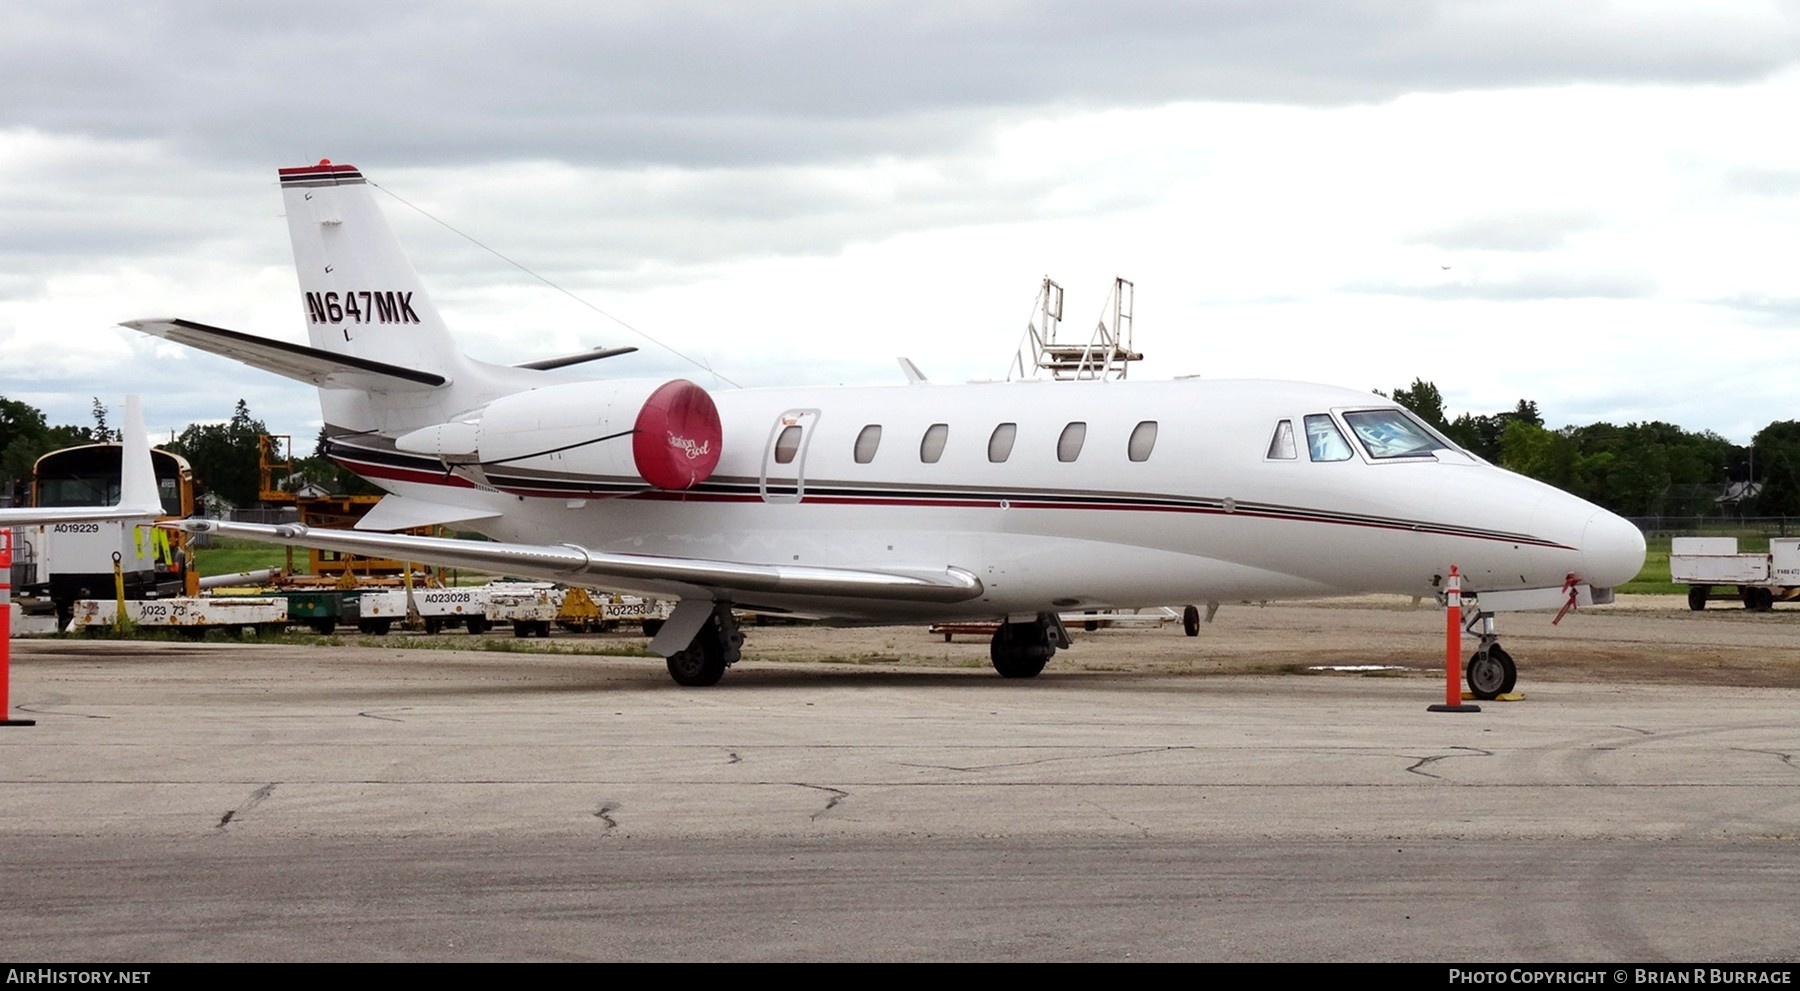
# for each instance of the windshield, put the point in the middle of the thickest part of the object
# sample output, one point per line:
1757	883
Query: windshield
1393	433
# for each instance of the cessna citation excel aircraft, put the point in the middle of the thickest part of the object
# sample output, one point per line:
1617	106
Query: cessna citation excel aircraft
904	504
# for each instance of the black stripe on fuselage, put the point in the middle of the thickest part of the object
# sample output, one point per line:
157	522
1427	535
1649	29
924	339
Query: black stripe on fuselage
417	468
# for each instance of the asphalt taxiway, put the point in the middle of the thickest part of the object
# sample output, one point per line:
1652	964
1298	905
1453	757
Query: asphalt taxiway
200	802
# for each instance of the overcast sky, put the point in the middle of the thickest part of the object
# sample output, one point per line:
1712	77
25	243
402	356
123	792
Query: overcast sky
1592	205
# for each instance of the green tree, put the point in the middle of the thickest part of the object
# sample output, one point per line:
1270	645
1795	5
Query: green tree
1777	452
103	433
224	455
25	437
319	469
1423	398
1546	455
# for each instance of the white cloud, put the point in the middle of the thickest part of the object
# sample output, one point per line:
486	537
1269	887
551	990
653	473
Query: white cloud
1591	206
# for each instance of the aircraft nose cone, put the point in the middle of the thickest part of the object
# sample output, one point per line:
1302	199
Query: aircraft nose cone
1612	550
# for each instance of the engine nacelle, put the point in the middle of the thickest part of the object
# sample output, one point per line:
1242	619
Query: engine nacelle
583	439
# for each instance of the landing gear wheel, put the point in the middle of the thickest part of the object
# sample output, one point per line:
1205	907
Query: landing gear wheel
697	665
715	647
1020	650
1491	673
1697	596
1190	621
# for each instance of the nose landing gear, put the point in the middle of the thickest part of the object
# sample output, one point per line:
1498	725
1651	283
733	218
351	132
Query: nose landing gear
1490	671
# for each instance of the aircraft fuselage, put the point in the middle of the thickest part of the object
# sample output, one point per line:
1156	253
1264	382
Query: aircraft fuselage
1173	492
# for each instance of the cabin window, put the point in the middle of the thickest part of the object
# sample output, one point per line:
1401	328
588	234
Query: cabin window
932	447
867	442
1281	446
1324	441
1143	439
788	444
1391	433
1068	446
1000	442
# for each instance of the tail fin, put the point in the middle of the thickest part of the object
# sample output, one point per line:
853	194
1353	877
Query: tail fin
360	293
137	476
381	356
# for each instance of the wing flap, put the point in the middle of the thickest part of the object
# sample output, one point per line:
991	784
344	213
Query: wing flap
571	563
296	361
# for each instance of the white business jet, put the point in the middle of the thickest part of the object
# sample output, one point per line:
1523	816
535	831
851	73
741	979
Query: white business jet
912	503
138	495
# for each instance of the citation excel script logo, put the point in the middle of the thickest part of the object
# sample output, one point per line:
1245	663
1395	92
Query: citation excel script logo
687	446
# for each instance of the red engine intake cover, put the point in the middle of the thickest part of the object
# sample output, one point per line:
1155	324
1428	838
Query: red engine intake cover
676	445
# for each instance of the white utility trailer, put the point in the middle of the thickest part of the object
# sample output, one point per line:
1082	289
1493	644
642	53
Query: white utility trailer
439	609
184	614
529	607
1756	580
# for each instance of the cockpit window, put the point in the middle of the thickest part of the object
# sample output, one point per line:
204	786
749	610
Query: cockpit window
1281	446
1324	441
1391	433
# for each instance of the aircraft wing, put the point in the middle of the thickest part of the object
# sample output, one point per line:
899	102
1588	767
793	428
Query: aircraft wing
571	563
296	361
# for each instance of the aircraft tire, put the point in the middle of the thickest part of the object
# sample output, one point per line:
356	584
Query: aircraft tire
1019	667
1020	650
698	665
1491	673
1190	621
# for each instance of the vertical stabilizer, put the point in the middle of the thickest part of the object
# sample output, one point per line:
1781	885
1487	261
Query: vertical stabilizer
137	476
358	291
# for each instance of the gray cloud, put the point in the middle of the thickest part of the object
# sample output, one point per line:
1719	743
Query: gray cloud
1528	287
1782	311
1519	231
1765	182
695	83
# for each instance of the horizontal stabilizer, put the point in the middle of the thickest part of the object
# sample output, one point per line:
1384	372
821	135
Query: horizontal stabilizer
400	513
545	364
570	563
296	361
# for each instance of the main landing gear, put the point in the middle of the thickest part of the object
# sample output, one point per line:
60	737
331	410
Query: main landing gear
1020	650
715	646
1490	672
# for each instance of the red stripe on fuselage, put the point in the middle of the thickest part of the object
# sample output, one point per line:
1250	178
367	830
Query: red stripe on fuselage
456	481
